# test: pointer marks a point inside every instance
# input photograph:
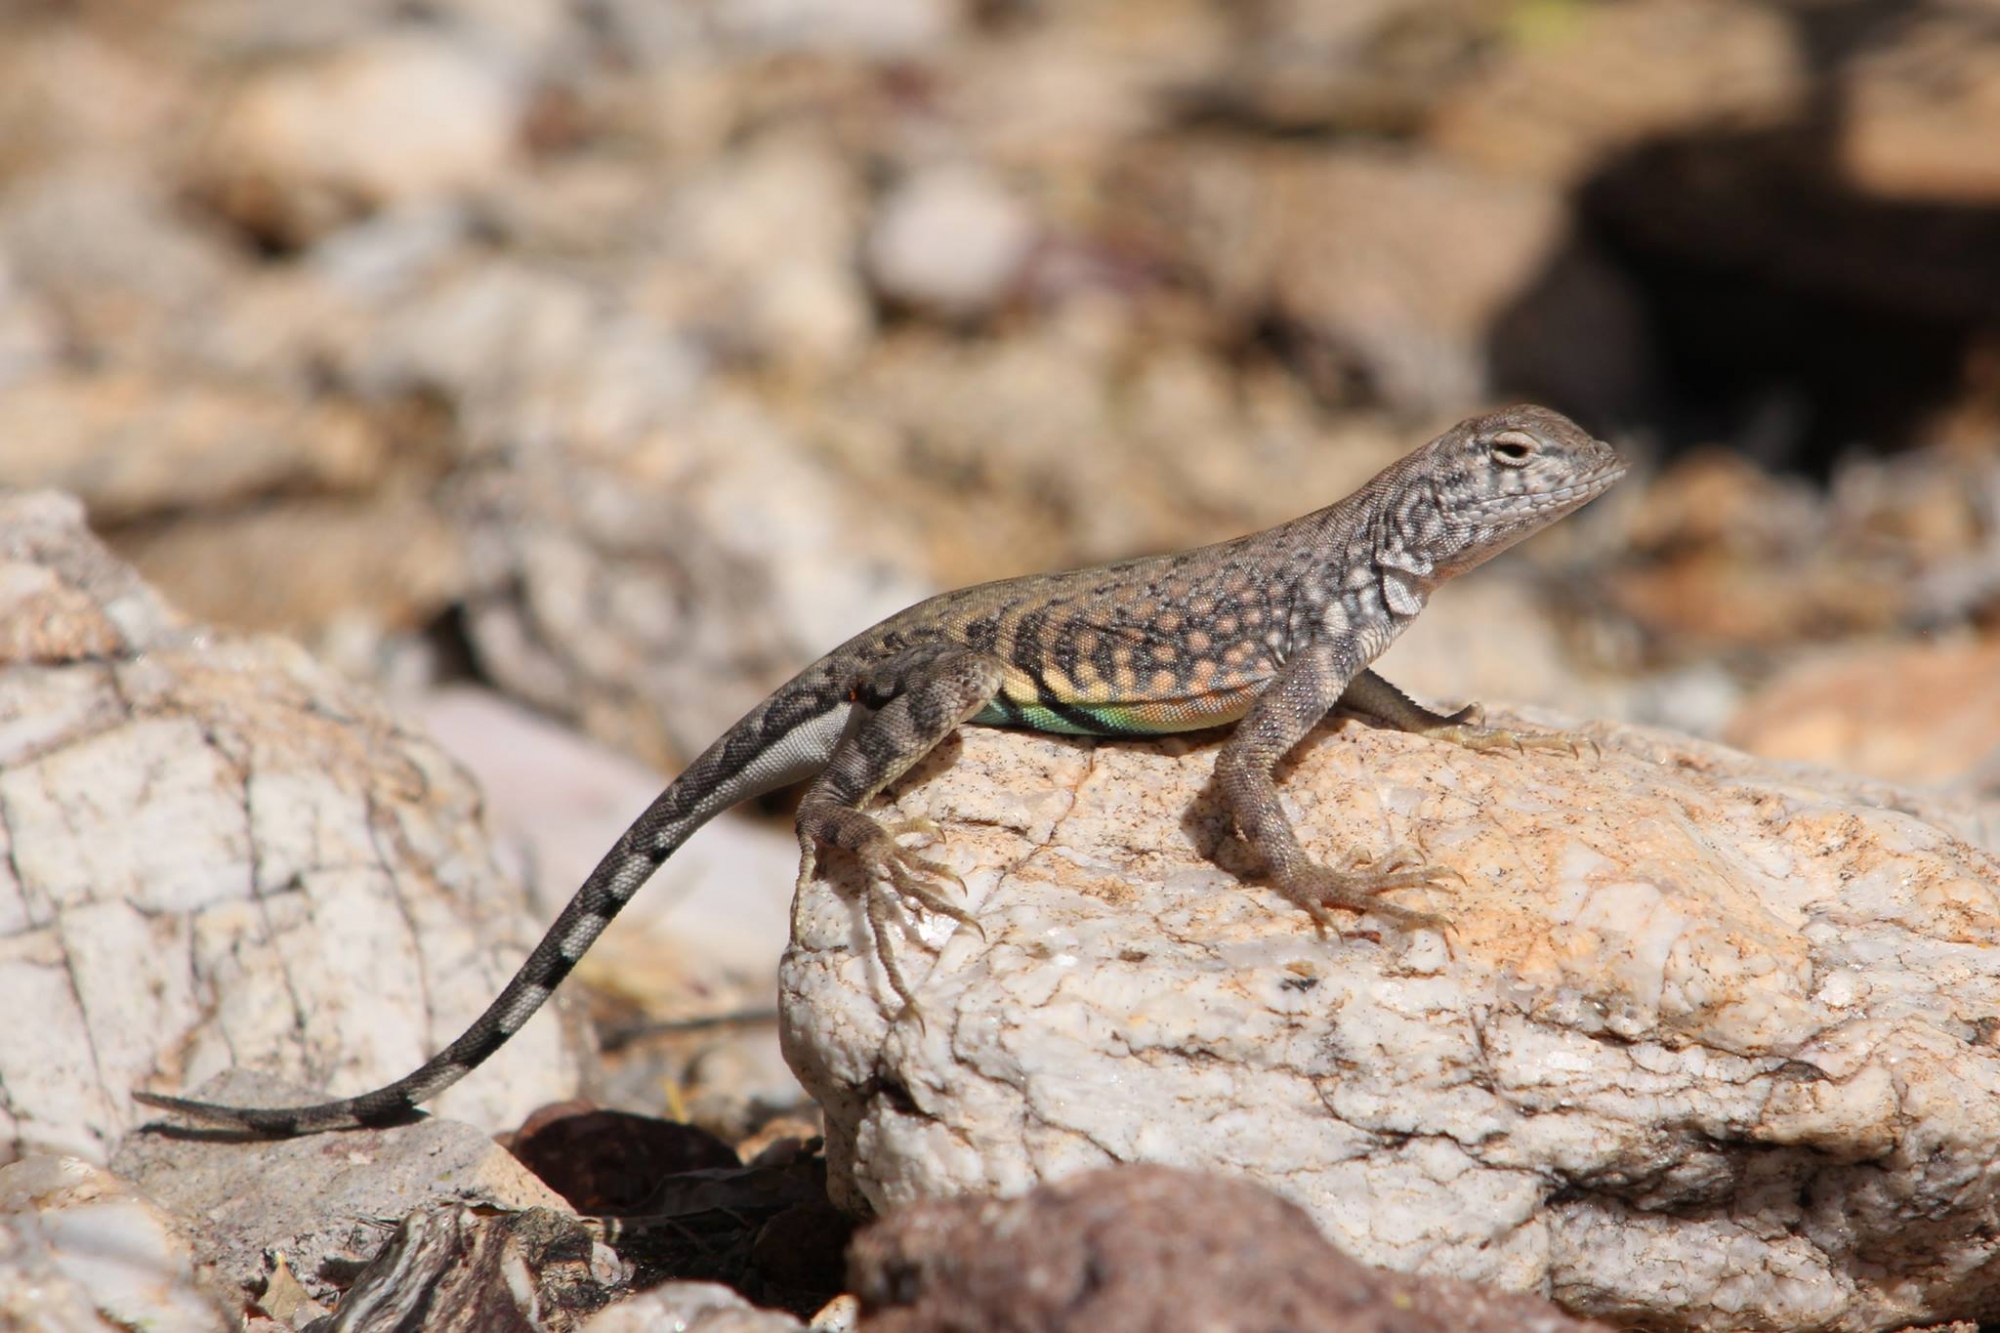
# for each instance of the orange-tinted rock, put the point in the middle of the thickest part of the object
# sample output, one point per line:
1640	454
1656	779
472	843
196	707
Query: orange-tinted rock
1910	712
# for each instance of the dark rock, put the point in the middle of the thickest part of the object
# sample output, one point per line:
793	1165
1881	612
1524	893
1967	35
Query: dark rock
1155	1250
612	1163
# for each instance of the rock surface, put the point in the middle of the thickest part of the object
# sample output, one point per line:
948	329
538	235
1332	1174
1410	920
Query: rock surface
82	1252
322	1201
656	583
1706	1047
399	117
1919	713
950	239
216	853
693	1307
455	1268
1342	246
1147	1249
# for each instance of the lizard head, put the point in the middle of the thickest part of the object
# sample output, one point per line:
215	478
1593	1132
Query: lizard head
1500	476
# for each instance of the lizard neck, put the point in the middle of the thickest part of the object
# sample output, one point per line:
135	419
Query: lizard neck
1403	552
1365	570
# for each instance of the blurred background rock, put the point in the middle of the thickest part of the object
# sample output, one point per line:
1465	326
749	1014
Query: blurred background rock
619	356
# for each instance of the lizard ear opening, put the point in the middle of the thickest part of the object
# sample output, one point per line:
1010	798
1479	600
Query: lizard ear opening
1513	448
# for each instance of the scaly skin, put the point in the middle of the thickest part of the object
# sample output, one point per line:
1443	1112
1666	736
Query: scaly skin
1268	631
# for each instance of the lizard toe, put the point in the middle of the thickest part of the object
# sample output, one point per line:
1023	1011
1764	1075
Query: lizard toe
1318	888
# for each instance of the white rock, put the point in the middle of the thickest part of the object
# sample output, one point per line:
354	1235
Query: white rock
850	27
82	1252
212	852
386	254
1705	1047
950	239
526	353
117	262
396	117
693	1307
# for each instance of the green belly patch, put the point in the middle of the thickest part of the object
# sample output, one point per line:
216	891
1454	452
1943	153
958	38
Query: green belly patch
1139	717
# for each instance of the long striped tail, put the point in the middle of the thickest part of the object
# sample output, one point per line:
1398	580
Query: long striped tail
786	737
610	886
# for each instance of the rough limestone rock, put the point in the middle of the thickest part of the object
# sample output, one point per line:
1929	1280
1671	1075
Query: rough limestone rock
82	1252
213	852
325	1203
1710	1044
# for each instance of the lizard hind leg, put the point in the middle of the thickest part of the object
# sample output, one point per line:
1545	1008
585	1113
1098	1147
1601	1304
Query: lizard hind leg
923	699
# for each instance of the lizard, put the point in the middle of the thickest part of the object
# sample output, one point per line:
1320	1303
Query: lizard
1269	631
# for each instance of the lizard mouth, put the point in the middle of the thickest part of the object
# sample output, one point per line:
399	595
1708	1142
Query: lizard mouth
1581	491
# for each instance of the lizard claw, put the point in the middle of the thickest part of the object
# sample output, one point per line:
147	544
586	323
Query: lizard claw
895	872
921	825
911	873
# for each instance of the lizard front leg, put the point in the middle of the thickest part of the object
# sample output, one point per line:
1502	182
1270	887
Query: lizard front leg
1282	716
1369	695
918	700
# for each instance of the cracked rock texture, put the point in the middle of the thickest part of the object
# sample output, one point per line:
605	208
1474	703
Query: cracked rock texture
1709	1046
213	852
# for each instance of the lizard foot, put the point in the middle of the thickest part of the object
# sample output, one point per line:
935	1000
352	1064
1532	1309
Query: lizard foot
897	875
914	877
1468	727
1355	884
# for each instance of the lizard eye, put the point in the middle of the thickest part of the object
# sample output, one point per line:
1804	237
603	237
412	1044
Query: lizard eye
1513	448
